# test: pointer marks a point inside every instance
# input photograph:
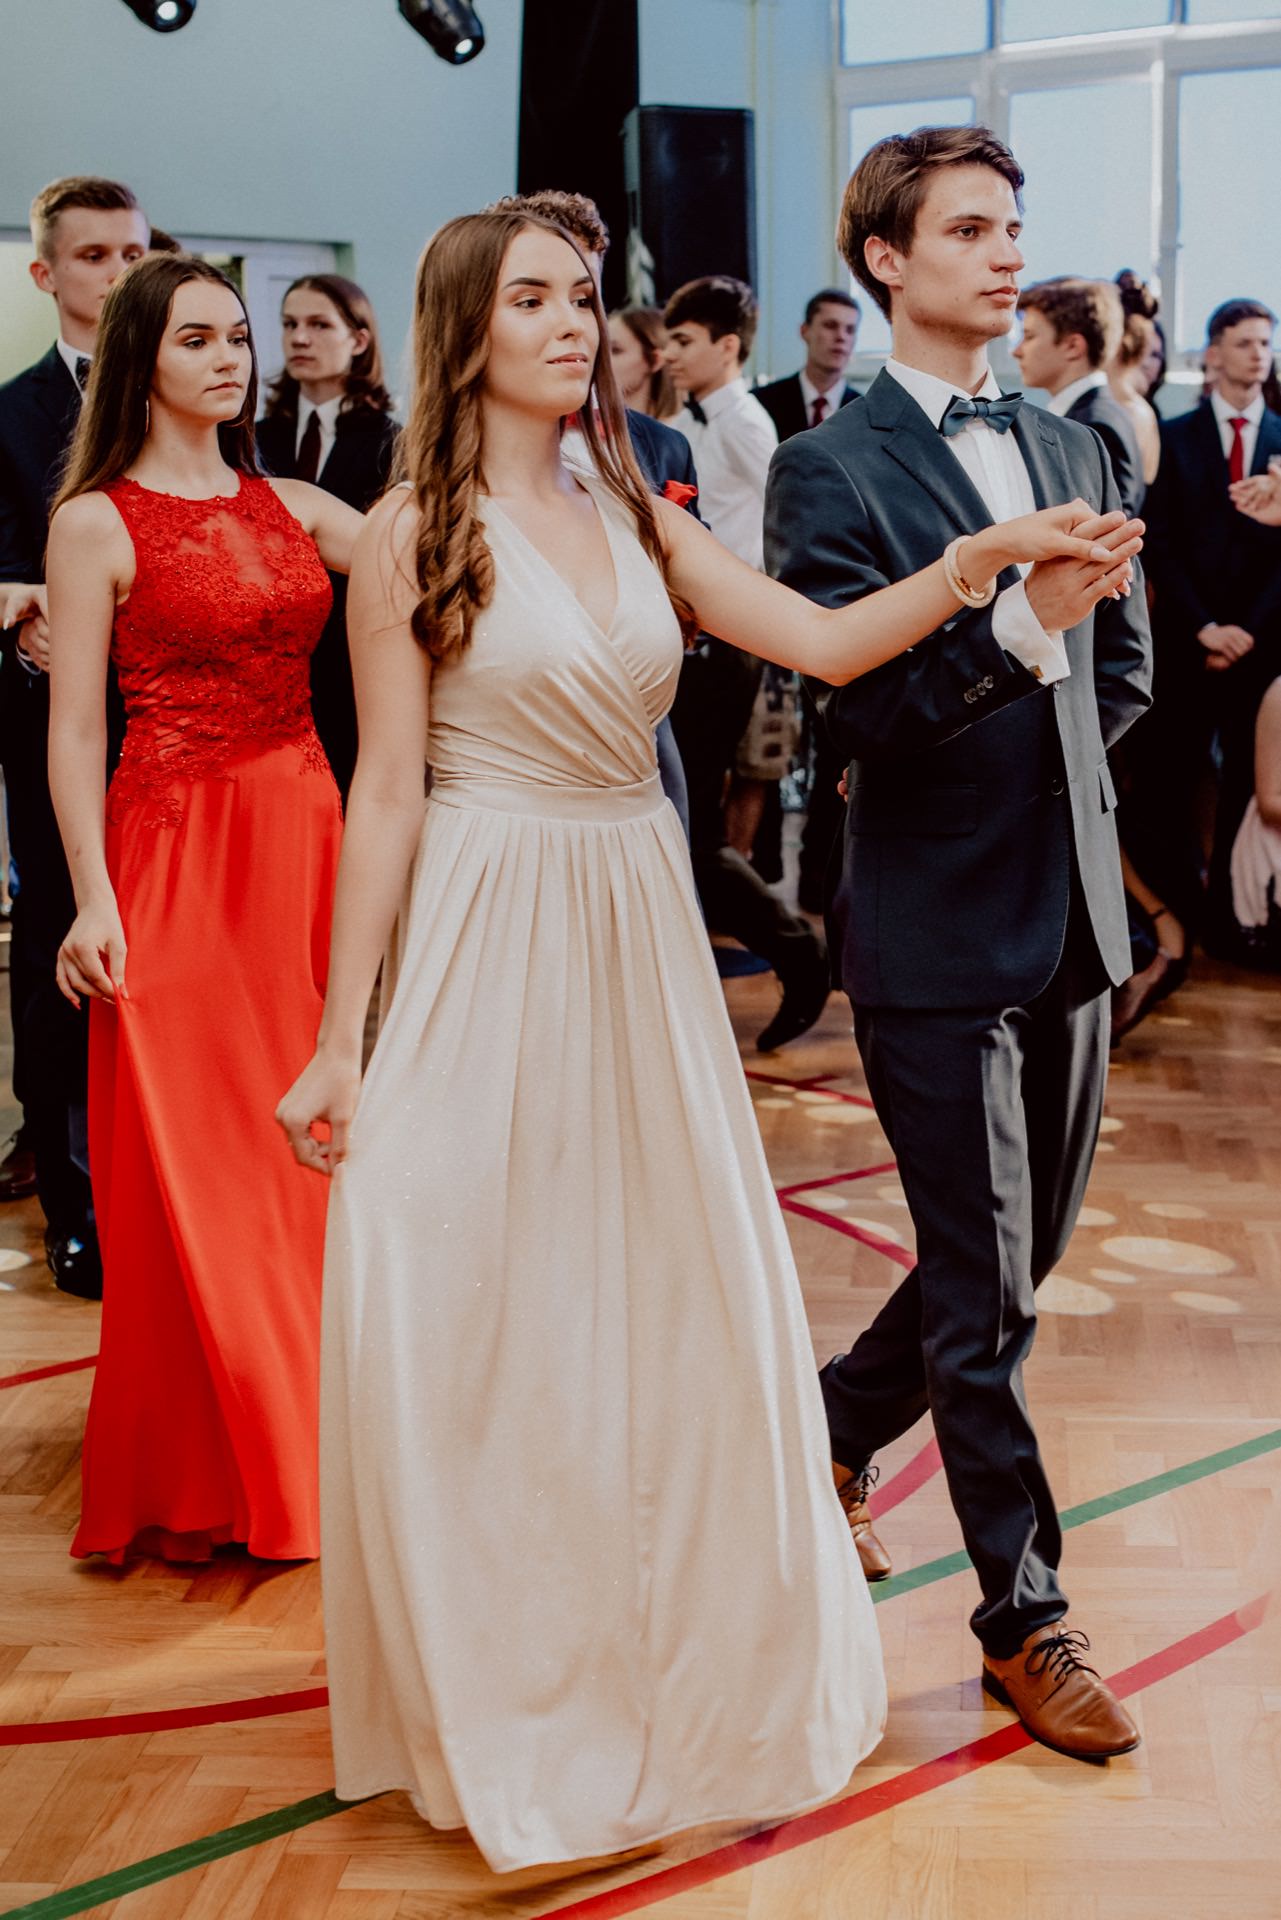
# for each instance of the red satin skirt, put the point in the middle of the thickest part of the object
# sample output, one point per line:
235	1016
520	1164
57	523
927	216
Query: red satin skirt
202	1422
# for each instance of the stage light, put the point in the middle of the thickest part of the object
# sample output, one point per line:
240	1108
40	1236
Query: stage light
450	27
162	16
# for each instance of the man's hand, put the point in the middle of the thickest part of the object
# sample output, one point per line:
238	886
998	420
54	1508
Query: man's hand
1224	645
1061	593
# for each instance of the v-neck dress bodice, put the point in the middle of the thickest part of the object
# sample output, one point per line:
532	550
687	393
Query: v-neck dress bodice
586	1579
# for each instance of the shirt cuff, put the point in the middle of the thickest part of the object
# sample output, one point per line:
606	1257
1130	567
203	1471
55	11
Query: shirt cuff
1016	629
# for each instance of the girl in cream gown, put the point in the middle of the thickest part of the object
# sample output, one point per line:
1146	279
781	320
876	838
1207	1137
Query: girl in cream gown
586	1579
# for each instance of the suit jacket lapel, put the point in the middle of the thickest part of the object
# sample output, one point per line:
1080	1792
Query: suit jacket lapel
1043	457
1267	441
922	451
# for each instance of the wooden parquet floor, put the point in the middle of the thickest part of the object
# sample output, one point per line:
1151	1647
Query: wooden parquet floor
1156	1385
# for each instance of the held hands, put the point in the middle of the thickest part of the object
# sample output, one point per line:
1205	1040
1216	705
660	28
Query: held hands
1259	496
92	957
1224	645
324	1094
1091	563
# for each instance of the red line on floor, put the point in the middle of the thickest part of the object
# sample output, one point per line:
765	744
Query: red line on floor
920	1468
809	1086
870	1801
47	1373
847	1227
835	1179
37	1733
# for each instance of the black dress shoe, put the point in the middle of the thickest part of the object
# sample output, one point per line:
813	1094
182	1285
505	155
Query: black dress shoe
76	1266
18	1170
805	992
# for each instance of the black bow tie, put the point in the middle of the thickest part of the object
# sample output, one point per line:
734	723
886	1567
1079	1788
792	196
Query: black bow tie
998	414
83	363
695	411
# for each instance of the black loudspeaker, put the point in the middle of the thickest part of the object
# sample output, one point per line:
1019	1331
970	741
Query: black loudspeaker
691	197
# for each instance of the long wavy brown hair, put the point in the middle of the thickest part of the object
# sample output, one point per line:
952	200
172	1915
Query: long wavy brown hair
365	384
440	449
114	418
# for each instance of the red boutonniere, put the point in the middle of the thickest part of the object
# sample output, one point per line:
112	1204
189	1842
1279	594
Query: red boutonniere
679	492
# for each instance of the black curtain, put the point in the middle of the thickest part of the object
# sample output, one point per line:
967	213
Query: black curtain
579	79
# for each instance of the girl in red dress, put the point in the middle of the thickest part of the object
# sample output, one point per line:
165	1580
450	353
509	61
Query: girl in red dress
203	893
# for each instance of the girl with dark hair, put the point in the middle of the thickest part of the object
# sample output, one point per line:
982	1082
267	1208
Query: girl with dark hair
637	341
1130	375
573	1451
202	897
328	419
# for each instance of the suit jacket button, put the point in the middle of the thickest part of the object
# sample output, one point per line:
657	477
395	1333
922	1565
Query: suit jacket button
1057	787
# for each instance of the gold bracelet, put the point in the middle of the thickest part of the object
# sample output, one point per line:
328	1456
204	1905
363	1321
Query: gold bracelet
957	583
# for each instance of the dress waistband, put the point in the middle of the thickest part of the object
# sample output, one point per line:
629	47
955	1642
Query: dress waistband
599	806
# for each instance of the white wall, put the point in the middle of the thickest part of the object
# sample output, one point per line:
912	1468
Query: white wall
324	120
330	120
775	56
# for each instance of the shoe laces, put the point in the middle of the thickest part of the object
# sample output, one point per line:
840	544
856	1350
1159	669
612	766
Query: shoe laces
1059	1655
857	1489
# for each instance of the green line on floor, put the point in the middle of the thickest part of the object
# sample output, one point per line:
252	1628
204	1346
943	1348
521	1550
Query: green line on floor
321	1806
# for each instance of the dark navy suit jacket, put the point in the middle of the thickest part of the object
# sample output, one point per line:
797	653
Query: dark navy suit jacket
974	790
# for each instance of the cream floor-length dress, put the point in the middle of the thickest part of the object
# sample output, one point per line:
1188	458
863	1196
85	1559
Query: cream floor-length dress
586	1581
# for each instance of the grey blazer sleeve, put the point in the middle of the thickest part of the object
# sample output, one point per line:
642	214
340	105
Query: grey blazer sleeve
821	540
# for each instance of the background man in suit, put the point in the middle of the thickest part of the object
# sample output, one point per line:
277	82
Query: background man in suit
1216	577
806	399
1071	331
86	231
830	333
980	915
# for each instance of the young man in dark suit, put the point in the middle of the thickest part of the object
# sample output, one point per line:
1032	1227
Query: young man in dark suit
805	399
1071	331
980	916
1216	578
86	231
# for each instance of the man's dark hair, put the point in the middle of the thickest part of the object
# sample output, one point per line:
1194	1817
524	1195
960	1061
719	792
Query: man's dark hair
76	190
831	297
1231	313
887	187
1091	308
580	217
721	304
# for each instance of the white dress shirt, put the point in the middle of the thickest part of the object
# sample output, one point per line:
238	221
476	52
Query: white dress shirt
1066	398
732	450
810	393
1252	415
327	413
995	465
70	356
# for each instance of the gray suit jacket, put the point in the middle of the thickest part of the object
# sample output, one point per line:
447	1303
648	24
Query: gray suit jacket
974	790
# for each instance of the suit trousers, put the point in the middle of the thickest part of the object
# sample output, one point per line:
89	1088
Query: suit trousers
993	1115
51	1039
713	705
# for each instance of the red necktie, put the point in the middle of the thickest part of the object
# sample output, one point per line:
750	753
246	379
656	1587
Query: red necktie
818	411
307	465
1236	454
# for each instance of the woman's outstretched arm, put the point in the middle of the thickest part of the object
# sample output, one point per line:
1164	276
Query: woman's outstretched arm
384	819
770	620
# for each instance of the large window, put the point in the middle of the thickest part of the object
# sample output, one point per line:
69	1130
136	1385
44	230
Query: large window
1149	131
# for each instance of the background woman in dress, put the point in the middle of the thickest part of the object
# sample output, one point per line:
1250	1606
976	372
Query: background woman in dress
637	338
329	419
574	1464
202	895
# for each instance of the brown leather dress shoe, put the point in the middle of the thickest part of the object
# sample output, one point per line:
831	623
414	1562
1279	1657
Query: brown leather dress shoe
852	1490
1061	1701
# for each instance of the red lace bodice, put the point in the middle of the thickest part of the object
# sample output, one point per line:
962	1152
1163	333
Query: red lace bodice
213	645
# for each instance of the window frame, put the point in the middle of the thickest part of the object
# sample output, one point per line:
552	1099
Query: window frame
1163	55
